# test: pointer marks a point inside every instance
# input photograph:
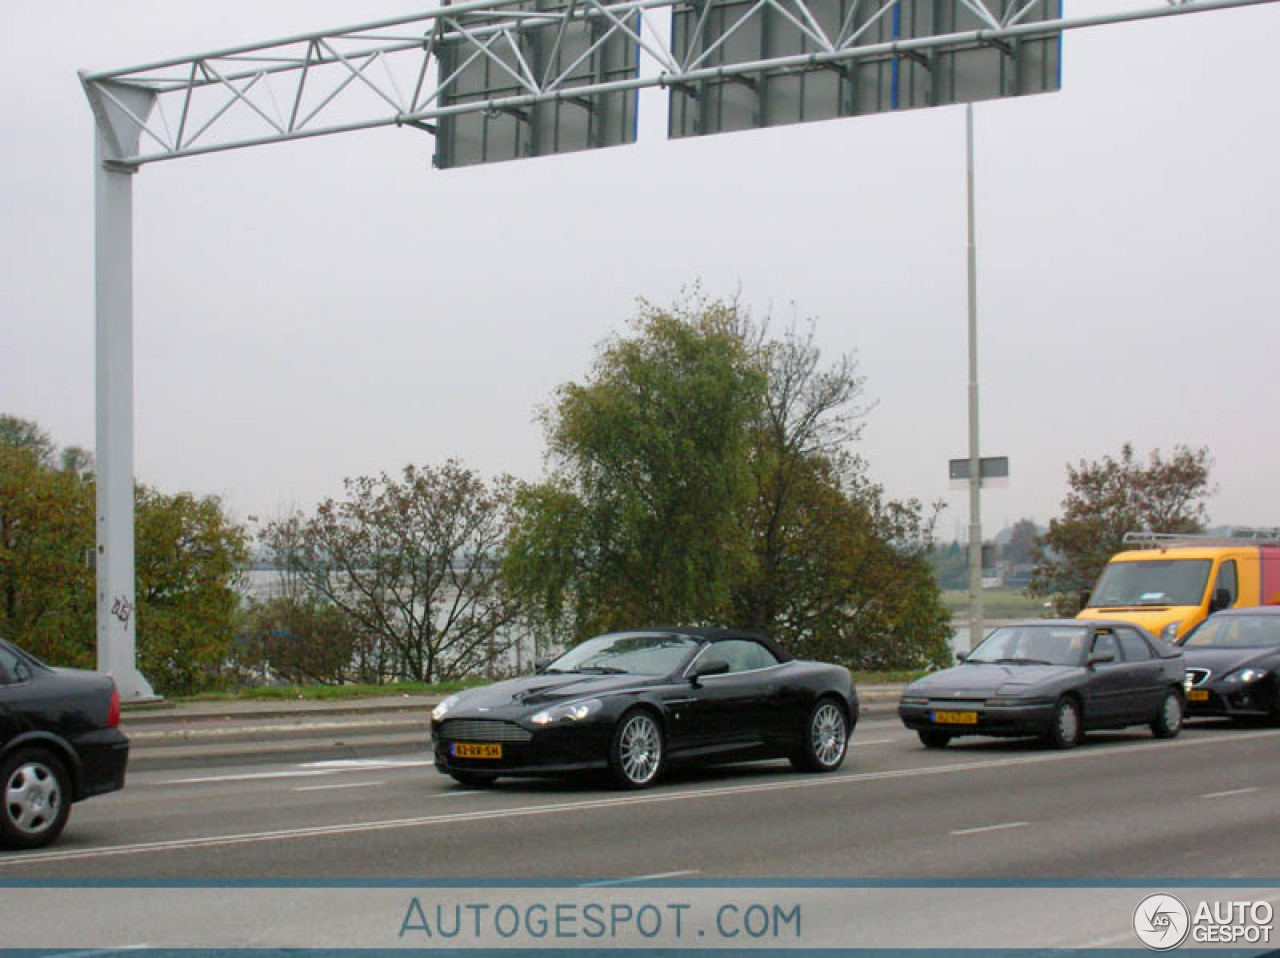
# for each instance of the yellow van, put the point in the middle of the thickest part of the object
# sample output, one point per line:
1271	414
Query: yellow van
1171	583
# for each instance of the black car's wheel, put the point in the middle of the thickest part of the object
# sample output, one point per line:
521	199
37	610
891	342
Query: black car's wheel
825	739
35	799
934	737
474	779
637	753
1067	730
1168	723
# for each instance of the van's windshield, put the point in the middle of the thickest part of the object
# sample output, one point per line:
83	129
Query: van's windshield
1151	582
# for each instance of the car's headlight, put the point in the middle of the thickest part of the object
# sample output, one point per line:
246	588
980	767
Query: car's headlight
914	700
1170	632
572	712
441	710
1247	675
1006	700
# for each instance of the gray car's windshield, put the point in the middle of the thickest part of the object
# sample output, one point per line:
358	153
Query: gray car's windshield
640	654
1033	645
1236	632
1151	582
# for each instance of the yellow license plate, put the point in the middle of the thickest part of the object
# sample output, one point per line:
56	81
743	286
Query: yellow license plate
955	718
462	750
1197	695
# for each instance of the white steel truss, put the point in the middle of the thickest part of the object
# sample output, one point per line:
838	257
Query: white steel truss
387	73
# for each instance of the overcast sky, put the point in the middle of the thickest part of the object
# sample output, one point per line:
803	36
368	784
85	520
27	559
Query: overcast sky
336	307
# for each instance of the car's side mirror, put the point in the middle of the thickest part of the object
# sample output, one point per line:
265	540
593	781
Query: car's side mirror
961	656
1099	657
710	667
1221	600
540	666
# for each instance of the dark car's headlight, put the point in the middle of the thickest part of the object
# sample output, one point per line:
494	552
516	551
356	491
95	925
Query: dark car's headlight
914	700
1246	675
572	712
441	710
1000	700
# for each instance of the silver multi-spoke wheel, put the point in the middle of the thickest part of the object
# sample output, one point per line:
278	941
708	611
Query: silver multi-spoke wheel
828	735
35	800
825	741
638	750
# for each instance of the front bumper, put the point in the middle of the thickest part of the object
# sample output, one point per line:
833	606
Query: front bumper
1231	699
978	718
522	750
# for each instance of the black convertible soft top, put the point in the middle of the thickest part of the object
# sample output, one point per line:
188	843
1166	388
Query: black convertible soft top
718	634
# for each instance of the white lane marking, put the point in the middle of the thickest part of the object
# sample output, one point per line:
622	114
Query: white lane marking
329	788
96	952
338	764
628	881
243	777
1234	791
653	798
872	741
989	828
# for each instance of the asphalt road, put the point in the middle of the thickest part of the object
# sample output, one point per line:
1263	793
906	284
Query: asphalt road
1205	805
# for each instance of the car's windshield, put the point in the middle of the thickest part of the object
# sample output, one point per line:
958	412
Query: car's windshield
637	653
1033	645
1236	632
1151	582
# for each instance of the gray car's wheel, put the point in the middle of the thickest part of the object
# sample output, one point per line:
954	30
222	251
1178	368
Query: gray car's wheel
637	753
1168	723
934	737
1067	730
35	799
825	739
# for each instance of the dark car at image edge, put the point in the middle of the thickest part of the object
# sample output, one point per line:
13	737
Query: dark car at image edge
1233	661
634	703
1052	678
59	744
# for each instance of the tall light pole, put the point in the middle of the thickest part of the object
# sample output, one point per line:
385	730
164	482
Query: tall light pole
975	461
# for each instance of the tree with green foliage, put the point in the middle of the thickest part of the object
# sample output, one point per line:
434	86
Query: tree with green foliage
189	557
702	475
1106	499
188	554
46	536
640	521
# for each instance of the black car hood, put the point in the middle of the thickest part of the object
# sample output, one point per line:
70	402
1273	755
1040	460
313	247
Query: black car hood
539	690
983	679
1220	660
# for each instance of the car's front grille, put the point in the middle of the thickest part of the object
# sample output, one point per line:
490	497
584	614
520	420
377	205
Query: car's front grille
483	730
1198	676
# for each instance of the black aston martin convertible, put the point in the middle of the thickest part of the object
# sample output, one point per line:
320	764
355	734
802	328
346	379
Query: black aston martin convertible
632	703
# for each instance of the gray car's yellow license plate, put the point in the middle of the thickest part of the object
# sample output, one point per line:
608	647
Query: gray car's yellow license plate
955	718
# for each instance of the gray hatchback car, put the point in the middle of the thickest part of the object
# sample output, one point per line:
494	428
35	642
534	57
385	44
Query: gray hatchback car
1052	678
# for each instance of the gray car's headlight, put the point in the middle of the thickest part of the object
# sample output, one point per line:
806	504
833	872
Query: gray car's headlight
914	700
572	712
441	710
1170	632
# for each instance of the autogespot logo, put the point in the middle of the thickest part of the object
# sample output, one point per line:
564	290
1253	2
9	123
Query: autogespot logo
1161	922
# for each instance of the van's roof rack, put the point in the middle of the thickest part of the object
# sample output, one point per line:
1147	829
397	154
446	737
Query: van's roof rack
1235	535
